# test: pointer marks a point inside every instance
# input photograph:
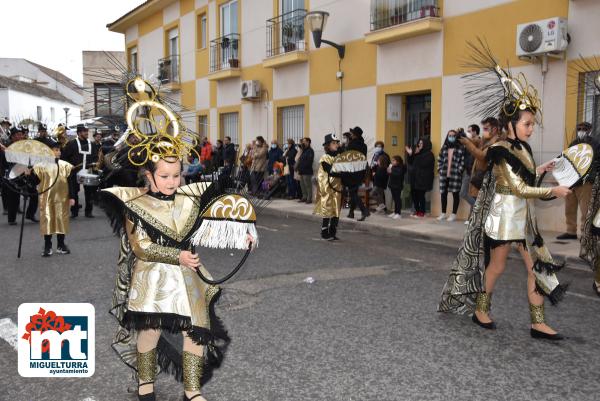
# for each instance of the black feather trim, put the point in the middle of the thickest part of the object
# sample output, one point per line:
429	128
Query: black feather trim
595	230
114	209
556	295
496	154
169	359
547	267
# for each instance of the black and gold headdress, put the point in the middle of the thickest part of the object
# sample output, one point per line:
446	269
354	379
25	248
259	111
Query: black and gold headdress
491	87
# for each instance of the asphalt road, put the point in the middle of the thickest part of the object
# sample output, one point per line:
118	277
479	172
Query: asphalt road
365	329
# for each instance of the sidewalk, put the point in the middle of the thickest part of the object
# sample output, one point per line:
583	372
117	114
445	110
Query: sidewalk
444	233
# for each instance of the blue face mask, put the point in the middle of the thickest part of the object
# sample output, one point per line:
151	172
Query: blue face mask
451	139
273	146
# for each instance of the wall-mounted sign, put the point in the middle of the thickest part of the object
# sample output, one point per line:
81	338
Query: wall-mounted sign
394	108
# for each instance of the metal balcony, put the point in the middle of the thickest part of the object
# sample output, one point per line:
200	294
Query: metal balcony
224	53
285	33
168	70
388	13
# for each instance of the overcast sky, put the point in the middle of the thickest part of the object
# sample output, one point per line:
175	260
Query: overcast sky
55	32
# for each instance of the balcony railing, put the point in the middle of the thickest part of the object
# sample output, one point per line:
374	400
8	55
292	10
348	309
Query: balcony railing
387	13
224	52
168	69
285	33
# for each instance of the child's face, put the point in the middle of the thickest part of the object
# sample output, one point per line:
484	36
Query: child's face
334	146
56	152
166	177
394	162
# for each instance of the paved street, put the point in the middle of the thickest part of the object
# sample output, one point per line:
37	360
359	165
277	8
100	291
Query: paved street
366	329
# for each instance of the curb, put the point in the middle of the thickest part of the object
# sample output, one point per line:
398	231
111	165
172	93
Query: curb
571	261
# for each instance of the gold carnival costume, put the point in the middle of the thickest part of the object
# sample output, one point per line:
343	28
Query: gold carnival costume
154	295
54	203
504	211
329	196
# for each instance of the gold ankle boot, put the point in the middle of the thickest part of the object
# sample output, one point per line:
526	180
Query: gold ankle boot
193	367
146	367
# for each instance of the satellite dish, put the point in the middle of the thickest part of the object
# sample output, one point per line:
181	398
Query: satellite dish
531	38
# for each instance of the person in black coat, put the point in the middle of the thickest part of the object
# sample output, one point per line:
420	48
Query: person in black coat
229	156
289	155
358	144
304	168
74	152
217	157
396	172
421	163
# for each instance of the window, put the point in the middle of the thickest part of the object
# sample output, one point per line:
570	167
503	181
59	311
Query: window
203	126
202	31
108	99
291	123
229	18
229	126
39	113
591	102
133	58
173	42
52	114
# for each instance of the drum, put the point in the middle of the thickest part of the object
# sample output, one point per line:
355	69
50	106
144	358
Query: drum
88	179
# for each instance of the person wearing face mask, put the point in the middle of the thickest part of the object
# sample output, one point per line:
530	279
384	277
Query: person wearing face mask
275	155
451	164
421	162
581	194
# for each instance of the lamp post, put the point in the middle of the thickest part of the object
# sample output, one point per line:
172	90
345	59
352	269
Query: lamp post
66	109
316	21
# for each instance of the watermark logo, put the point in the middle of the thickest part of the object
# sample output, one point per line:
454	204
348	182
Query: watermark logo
56	340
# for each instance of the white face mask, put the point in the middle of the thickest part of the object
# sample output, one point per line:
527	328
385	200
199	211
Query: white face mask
378	149
581	134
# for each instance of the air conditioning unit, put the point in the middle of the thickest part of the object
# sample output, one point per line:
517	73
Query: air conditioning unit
250	89
542	37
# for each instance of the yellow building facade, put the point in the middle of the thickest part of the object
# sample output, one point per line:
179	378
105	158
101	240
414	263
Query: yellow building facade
400	77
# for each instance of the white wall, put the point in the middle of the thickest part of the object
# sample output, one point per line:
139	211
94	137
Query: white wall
584	28
131	33
150	49
228	92
290	81
348	20
187	45
459	7
415	58
202	94
253	34
256	120
18	106
171	13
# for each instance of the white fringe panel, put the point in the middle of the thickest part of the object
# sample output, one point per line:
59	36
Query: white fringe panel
349	167
224	234
27	159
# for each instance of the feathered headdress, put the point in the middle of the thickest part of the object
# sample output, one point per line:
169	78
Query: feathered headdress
491	88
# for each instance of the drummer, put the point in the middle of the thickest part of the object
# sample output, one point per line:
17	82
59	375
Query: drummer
77	151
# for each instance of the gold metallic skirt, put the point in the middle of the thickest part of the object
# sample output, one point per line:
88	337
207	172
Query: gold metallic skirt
507	218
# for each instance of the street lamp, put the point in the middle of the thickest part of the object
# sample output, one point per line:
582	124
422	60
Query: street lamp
66	109
316	21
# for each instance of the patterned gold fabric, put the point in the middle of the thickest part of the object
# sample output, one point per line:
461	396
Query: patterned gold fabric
54	203
483	302
509	210
193	366
537	313
329	198
146	366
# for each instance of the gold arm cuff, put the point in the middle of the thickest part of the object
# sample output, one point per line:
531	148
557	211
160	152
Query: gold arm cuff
483	302
193	367
537	313
146	366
